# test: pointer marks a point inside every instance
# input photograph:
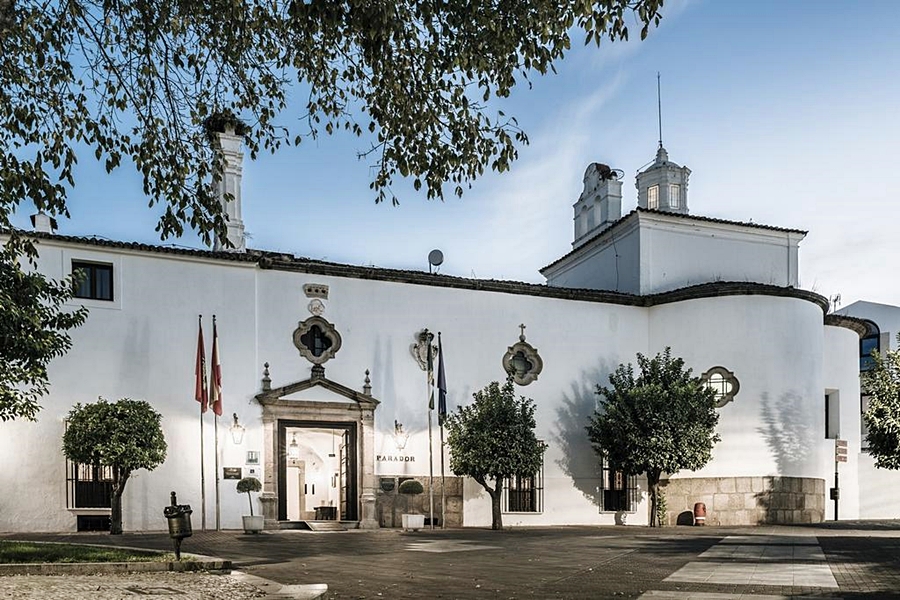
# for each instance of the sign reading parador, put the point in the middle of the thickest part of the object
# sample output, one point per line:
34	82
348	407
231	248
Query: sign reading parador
394	458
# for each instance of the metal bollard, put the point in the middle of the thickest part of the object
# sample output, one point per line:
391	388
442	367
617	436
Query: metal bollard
179	517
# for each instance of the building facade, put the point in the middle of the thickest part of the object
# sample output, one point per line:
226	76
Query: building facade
325	388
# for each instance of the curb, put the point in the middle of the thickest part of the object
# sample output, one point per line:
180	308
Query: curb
190	563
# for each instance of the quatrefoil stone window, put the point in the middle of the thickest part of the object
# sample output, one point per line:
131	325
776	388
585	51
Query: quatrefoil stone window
522	361
723	382
317	340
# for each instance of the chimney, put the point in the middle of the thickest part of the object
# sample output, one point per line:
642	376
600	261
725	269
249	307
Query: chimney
600	204
43	223
229	144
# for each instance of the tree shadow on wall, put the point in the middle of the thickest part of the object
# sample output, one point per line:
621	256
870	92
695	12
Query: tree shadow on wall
788	433
790	437
579	462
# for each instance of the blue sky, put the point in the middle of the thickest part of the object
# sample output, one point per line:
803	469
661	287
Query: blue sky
786	112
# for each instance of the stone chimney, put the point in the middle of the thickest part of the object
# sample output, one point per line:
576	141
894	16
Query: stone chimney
229	144
43	223
600	204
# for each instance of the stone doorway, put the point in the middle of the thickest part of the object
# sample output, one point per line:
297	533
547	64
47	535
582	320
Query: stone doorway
286	412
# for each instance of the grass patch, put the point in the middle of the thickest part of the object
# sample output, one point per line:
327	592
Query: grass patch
13	552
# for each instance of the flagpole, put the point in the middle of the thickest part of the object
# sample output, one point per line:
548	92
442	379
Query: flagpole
202	478
217	408
202	375
442	414
443	495
428	337
218	526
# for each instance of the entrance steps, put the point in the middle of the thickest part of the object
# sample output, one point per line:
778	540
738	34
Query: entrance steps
319	525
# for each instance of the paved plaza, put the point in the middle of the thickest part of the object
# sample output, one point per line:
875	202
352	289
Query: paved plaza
846	560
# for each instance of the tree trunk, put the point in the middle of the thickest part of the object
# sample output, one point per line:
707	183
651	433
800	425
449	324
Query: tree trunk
495	493
120	478
653	484
496	514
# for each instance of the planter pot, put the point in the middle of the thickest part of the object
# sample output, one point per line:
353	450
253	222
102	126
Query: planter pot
253	524
414	522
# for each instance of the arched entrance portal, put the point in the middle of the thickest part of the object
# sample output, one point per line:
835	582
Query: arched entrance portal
305	423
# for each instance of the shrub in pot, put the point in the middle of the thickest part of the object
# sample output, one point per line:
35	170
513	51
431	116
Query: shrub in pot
252	523
412	487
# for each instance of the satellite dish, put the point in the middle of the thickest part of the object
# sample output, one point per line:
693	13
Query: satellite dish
435	259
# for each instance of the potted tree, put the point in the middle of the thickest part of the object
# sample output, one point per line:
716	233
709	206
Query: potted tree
252	523
414	521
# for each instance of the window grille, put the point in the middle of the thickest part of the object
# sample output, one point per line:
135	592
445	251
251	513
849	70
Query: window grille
653	197
88	486
523	493
618	490
674	196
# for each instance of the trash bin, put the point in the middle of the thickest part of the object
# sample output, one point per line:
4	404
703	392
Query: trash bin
179	517
699	513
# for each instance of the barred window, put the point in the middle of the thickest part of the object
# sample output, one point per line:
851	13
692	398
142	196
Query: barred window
618	490
524	493
88	486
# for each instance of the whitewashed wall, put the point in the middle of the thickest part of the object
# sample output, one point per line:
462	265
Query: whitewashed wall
650	252
842	378
677	253
613	263
774	347
143	346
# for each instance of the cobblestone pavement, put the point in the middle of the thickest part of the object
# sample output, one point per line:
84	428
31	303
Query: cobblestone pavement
183	586
861	559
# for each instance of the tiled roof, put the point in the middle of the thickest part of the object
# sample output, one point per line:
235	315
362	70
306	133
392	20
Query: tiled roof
695	218
249	256
288	262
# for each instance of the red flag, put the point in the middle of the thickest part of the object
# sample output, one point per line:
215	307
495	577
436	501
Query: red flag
215	375
200	391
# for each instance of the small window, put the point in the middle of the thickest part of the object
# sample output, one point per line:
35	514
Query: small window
618	490
674	196
92	280
866	346
653	197
723	382
832	416
524	493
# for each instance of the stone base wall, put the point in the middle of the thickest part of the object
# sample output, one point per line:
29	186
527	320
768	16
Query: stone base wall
746	500
390	505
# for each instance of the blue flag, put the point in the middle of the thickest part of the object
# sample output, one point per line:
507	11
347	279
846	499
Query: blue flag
442	385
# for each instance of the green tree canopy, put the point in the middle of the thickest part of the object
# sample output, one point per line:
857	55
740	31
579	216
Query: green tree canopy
882	416
142	83
33	330
136	80
125	435
493	439
661	421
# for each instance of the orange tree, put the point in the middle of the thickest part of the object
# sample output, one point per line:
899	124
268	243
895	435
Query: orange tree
125	436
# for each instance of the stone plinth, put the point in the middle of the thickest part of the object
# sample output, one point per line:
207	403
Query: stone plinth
747	500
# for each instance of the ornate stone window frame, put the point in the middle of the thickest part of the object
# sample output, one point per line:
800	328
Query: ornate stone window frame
327	330
530	354
731	385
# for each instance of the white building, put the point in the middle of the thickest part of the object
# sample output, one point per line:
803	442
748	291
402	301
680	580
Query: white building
323	368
